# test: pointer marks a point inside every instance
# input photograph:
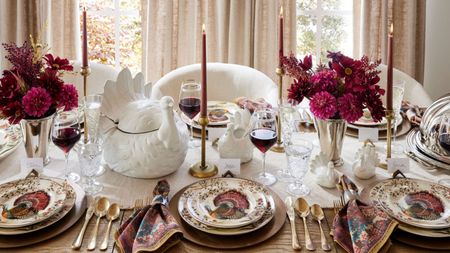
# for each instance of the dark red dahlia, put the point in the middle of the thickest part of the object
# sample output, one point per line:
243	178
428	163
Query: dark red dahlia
57	63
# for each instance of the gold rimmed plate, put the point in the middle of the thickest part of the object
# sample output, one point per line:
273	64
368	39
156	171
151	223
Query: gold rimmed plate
227	202
415	202
69	203
28	201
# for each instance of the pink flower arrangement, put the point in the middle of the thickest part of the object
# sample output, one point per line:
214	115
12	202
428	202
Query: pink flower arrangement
33	87
339	90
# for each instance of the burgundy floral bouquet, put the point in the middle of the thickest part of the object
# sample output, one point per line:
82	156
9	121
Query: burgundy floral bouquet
340	90
33	87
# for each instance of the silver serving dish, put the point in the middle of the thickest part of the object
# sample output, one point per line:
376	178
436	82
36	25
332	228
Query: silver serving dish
429	127
425	143
415	153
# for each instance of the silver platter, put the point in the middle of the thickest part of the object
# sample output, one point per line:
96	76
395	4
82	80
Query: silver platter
424	149
411	139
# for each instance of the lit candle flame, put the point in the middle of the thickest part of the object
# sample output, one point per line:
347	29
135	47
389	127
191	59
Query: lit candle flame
391	30
281	11
203	28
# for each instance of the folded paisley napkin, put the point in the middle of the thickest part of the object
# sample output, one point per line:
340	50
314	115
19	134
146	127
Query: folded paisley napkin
152	228
412	112
252	104
360	228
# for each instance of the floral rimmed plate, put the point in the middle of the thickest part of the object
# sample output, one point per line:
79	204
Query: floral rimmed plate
10	138
187	217
226	202
219	114
28	201
69	203
415	202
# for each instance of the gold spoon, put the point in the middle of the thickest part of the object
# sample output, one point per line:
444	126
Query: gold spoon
100	210
317	213
113	213
302	209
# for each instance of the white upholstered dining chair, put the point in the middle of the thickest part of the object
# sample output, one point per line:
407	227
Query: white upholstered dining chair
226	82
414	91
100	73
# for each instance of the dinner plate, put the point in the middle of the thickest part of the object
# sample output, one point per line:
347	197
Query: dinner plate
12	137
226	202
363	121
219	114
185	214
380	125
414	202
28	201
69	203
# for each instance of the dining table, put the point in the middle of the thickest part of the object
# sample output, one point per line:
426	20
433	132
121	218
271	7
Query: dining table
126	190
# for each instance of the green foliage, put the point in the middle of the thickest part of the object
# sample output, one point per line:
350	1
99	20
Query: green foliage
102	38
332	34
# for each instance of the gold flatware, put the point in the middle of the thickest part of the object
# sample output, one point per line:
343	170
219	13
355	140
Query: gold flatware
302	209
101	209
317	213
291	216
113	214
79	239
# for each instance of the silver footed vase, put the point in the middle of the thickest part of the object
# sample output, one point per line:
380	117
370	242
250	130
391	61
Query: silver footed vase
36	137
331	134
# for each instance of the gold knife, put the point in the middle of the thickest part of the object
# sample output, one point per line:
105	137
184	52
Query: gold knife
291	215
89	213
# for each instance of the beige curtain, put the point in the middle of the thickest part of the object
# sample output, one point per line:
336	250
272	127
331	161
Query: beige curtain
56	21
372	21
240	32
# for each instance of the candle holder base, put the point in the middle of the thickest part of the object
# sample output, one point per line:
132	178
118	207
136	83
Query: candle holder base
197	170
278	148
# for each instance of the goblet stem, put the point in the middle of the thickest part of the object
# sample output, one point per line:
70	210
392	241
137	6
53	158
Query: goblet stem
66	167
264	164
192	132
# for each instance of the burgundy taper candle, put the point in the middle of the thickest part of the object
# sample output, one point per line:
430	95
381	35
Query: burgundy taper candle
203	107
280	41
85	44
389	70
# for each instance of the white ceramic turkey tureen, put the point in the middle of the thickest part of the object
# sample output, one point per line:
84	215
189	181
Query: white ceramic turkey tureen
148	139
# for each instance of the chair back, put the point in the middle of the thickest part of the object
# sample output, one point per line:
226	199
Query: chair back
414	91
96	80
225	81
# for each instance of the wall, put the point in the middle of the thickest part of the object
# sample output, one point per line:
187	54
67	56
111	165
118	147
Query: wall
437	48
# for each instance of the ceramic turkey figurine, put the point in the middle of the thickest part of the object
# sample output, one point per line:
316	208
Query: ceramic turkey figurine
149	140
235	143
366	162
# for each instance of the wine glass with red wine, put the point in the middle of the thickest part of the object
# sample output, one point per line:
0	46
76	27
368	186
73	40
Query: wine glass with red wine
65	134
189	104
263	135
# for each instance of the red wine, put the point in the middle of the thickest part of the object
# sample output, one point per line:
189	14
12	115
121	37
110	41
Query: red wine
66	138
444	141
263	139
190	106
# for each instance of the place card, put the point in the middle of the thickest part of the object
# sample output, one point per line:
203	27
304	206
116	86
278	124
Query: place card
367	133
215	133
28	164
401	164
233	165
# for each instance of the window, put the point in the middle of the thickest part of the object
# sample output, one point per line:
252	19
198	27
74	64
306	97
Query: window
324	25
114	32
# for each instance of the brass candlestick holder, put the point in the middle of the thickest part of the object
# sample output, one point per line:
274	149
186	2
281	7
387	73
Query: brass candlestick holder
85	72
203	169
389	118
278	147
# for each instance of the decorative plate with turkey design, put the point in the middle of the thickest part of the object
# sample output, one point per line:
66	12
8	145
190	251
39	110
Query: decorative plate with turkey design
29	201
226	202
415	202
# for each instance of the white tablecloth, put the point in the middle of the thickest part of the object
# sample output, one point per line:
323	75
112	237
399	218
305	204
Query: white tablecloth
125	190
